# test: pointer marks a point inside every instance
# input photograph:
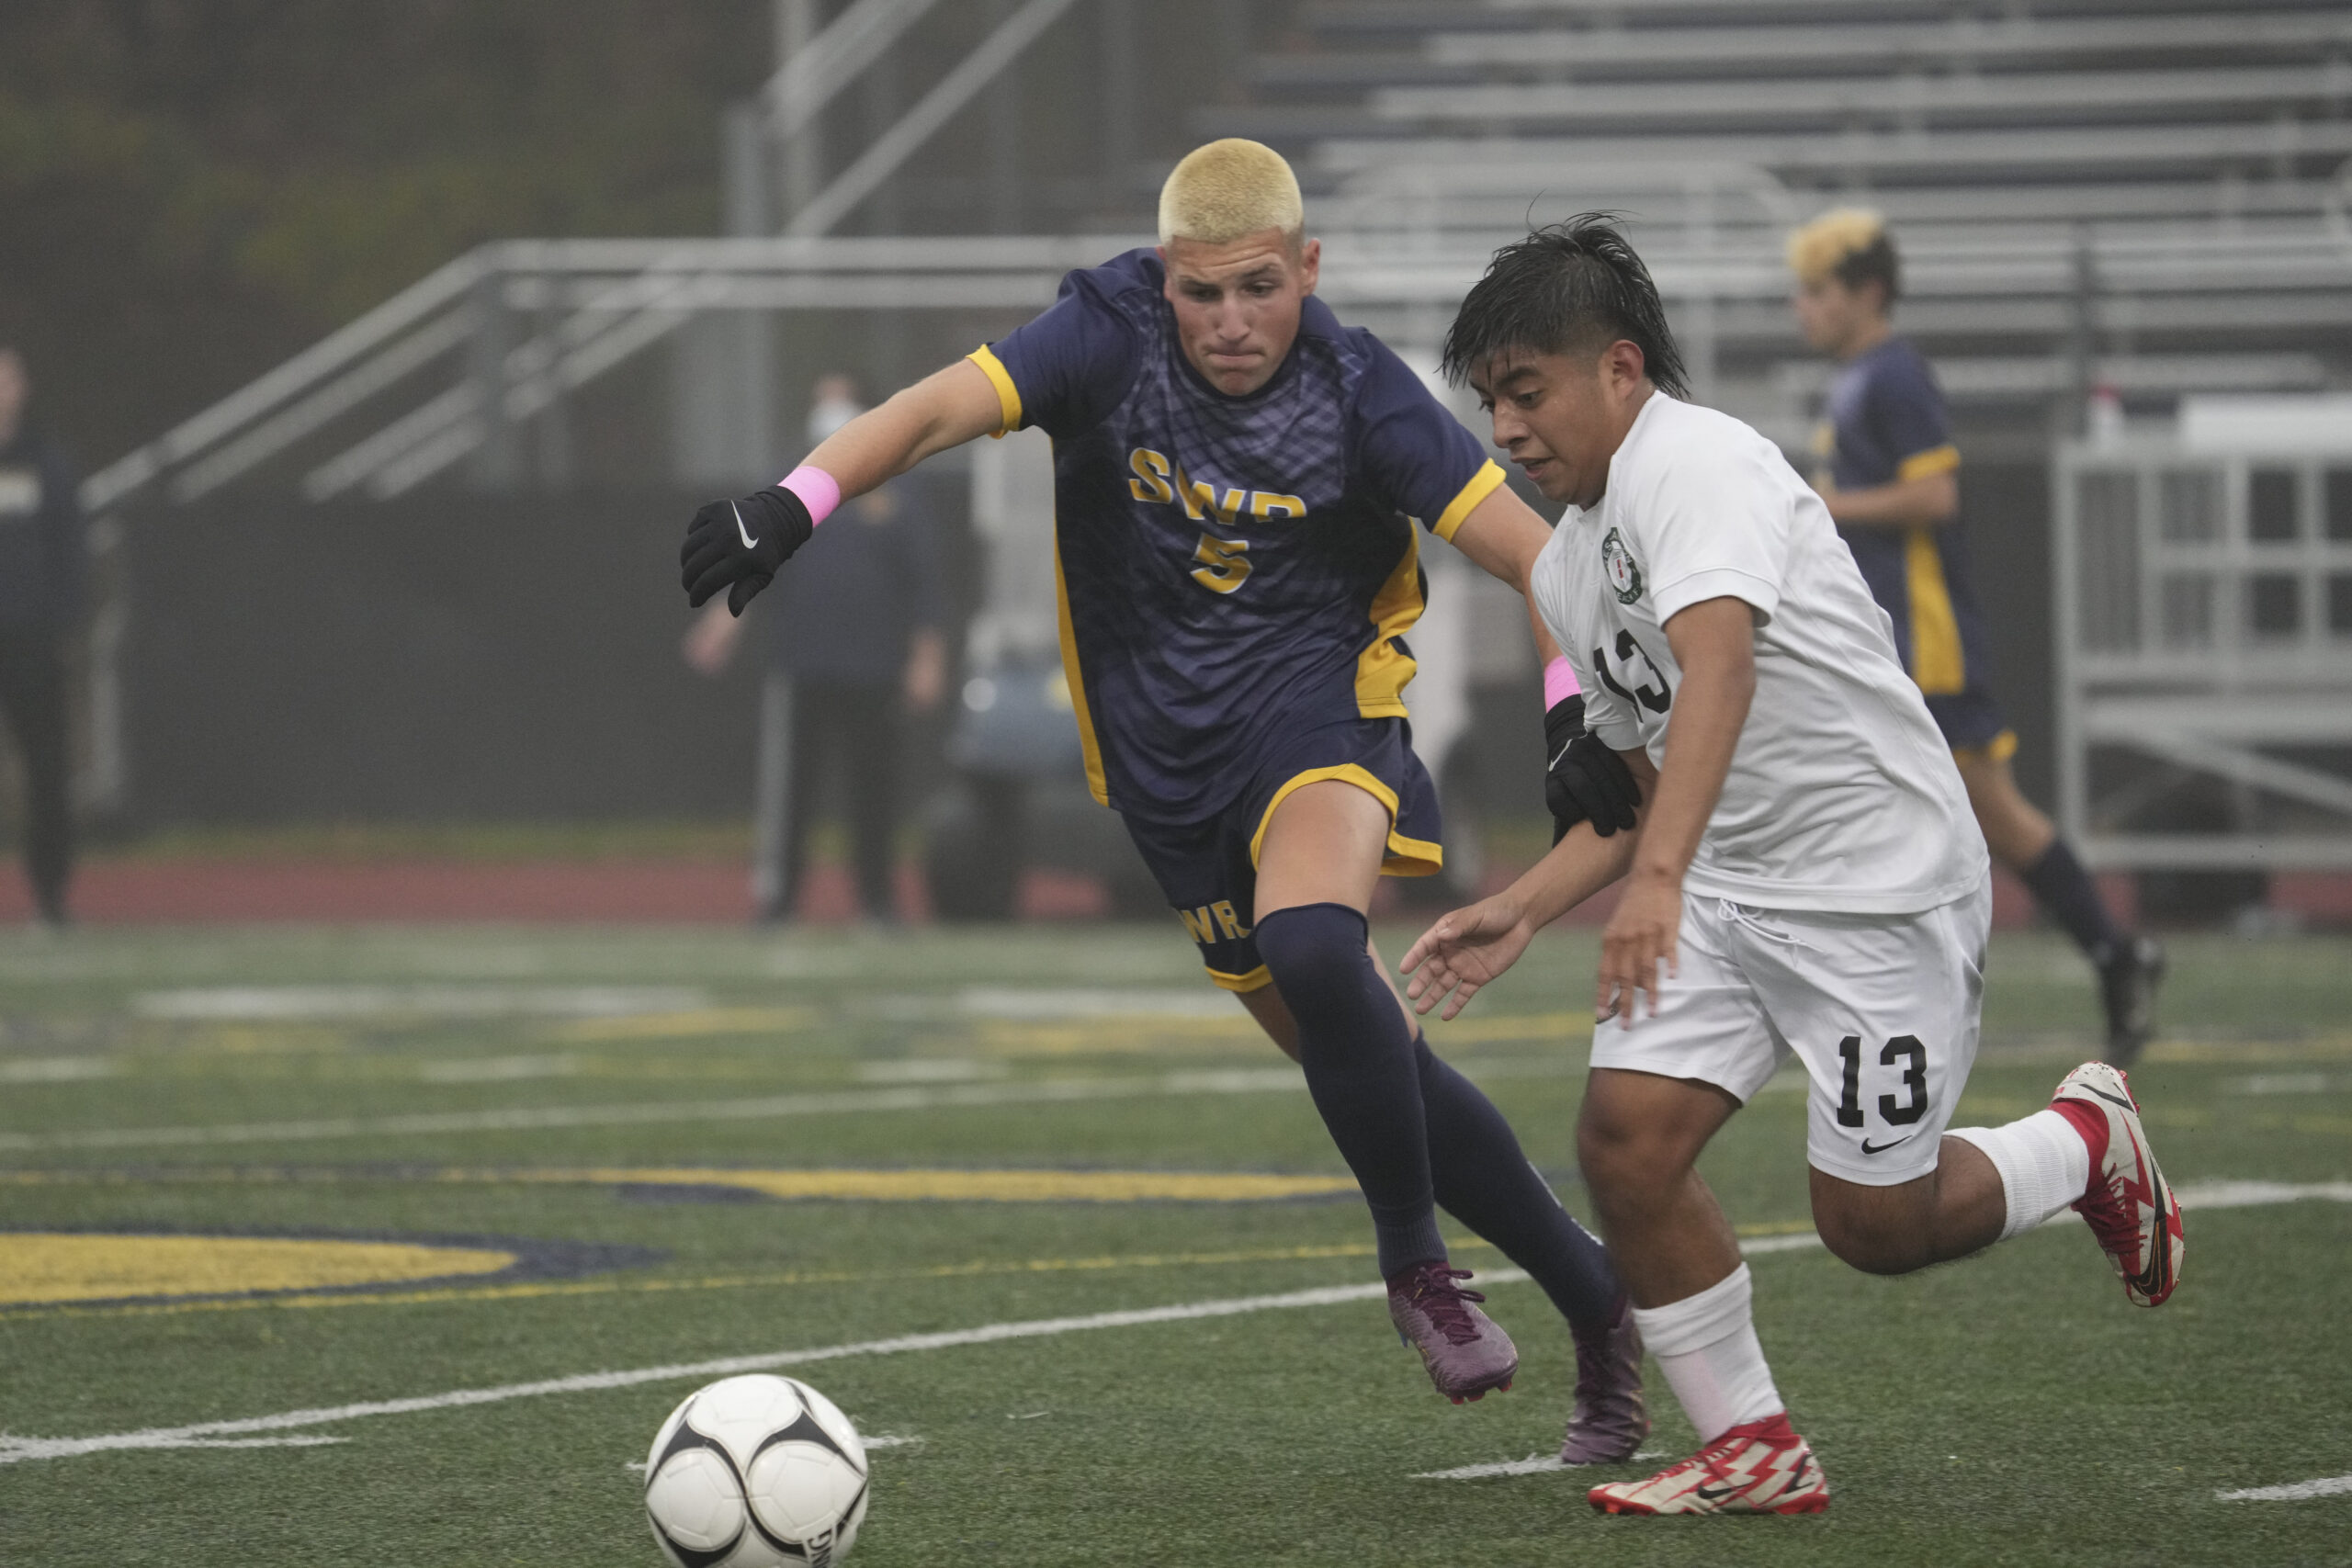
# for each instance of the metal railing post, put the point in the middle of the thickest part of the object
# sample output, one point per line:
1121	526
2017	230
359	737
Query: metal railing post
496	461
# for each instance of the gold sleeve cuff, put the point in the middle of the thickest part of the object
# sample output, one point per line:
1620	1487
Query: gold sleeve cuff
1008	396
1929	464
1481	485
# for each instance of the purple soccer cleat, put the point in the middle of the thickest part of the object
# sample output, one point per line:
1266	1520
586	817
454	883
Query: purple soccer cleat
1610	1420
1465	1354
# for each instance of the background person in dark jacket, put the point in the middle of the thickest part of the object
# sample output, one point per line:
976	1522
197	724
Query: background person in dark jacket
43	564
856	644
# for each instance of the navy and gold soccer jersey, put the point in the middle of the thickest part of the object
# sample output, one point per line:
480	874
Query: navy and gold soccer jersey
1232	570
1884	424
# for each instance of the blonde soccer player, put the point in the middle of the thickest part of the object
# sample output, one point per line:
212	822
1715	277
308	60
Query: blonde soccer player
1236	480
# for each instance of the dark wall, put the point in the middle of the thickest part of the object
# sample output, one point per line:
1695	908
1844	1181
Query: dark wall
2005	508
449	656
460	656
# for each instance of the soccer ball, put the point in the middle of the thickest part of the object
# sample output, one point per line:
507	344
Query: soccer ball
754	1472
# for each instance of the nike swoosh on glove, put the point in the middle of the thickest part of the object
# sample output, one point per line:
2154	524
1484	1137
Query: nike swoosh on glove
739	545
1586	781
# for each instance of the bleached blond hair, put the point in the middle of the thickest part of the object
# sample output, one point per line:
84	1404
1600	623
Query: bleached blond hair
1817	250
1229	189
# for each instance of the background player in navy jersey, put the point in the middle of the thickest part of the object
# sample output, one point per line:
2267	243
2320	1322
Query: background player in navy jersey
1237	476
1890	477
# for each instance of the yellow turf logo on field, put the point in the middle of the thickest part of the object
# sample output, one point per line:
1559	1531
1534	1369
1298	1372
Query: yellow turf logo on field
45	1267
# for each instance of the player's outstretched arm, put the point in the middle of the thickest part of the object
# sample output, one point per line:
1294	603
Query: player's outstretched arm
1503	534
1469	948
739	544
943	410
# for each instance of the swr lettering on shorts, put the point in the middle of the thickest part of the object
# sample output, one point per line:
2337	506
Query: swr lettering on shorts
1207	920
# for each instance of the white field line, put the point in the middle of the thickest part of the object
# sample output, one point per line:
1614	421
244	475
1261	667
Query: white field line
2334	1485
15	1450
58	1069
2258	1194
1533	1464
498	1069
298	1441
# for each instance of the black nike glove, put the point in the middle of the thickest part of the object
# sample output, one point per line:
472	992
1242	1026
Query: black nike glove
742	543
1585	781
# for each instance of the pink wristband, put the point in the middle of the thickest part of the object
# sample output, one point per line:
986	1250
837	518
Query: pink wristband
818	490
1559	683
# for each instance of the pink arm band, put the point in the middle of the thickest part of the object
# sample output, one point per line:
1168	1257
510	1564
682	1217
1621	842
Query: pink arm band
818	490
1559	683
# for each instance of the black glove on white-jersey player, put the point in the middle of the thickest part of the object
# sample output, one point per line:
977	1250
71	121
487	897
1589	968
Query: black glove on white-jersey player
742	543
1585	781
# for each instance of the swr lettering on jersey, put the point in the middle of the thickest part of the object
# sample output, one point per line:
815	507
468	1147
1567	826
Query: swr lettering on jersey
1160	479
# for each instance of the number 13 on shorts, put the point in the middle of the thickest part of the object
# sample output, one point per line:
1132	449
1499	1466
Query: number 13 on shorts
1882	1009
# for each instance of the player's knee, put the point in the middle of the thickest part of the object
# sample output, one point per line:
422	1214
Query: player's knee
1315	952
1626	1163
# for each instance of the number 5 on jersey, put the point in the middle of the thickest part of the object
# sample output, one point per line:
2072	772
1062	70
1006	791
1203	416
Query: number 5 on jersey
1223	563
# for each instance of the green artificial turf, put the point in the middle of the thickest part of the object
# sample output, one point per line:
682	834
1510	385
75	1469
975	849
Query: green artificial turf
2012	1410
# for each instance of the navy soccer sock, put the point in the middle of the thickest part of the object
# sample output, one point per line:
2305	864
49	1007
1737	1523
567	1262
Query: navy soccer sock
1358	1053
2063	887
1481	1178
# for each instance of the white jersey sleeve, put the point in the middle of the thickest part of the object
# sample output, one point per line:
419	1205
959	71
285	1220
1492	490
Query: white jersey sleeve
1714	527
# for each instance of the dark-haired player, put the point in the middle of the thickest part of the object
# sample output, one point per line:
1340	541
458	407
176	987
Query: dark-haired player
1804	872
1235	480
1890	476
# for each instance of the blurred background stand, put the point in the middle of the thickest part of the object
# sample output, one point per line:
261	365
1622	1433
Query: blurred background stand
2144	198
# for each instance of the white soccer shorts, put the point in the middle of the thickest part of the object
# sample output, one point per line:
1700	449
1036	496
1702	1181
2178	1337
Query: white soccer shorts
1882	1009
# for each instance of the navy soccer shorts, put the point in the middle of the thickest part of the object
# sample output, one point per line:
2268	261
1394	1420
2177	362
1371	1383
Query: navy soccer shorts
1209	869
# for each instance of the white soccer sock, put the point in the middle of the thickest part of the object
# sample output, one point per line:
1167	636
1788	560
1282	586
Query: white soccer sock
2045	1166
1706	1346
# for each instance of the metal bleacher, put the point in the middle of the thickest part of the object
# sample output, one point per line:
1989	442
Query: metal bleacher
2146	194
2151	195
2154	196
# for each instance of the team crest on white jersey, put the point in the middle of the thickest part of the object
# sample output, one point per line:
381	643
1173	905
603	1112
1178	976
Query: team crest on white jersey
1624	572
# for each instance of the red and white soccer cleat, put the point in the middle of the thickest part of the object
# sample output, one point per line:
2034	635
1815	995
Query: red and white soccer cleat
2129	1205
1466	1355
1762	1466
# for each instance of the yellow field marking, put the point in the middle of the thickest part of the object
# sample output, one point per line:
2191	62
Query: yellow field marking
683	1025
544	1289
982	1269
1118	1035
46	1266
2252	1053
1561	1026
250	1038
1129	1036
953	1186
871	1186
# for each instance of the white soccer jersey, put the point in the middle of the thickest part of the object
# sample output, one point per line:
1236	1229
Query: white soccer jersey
1841	794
